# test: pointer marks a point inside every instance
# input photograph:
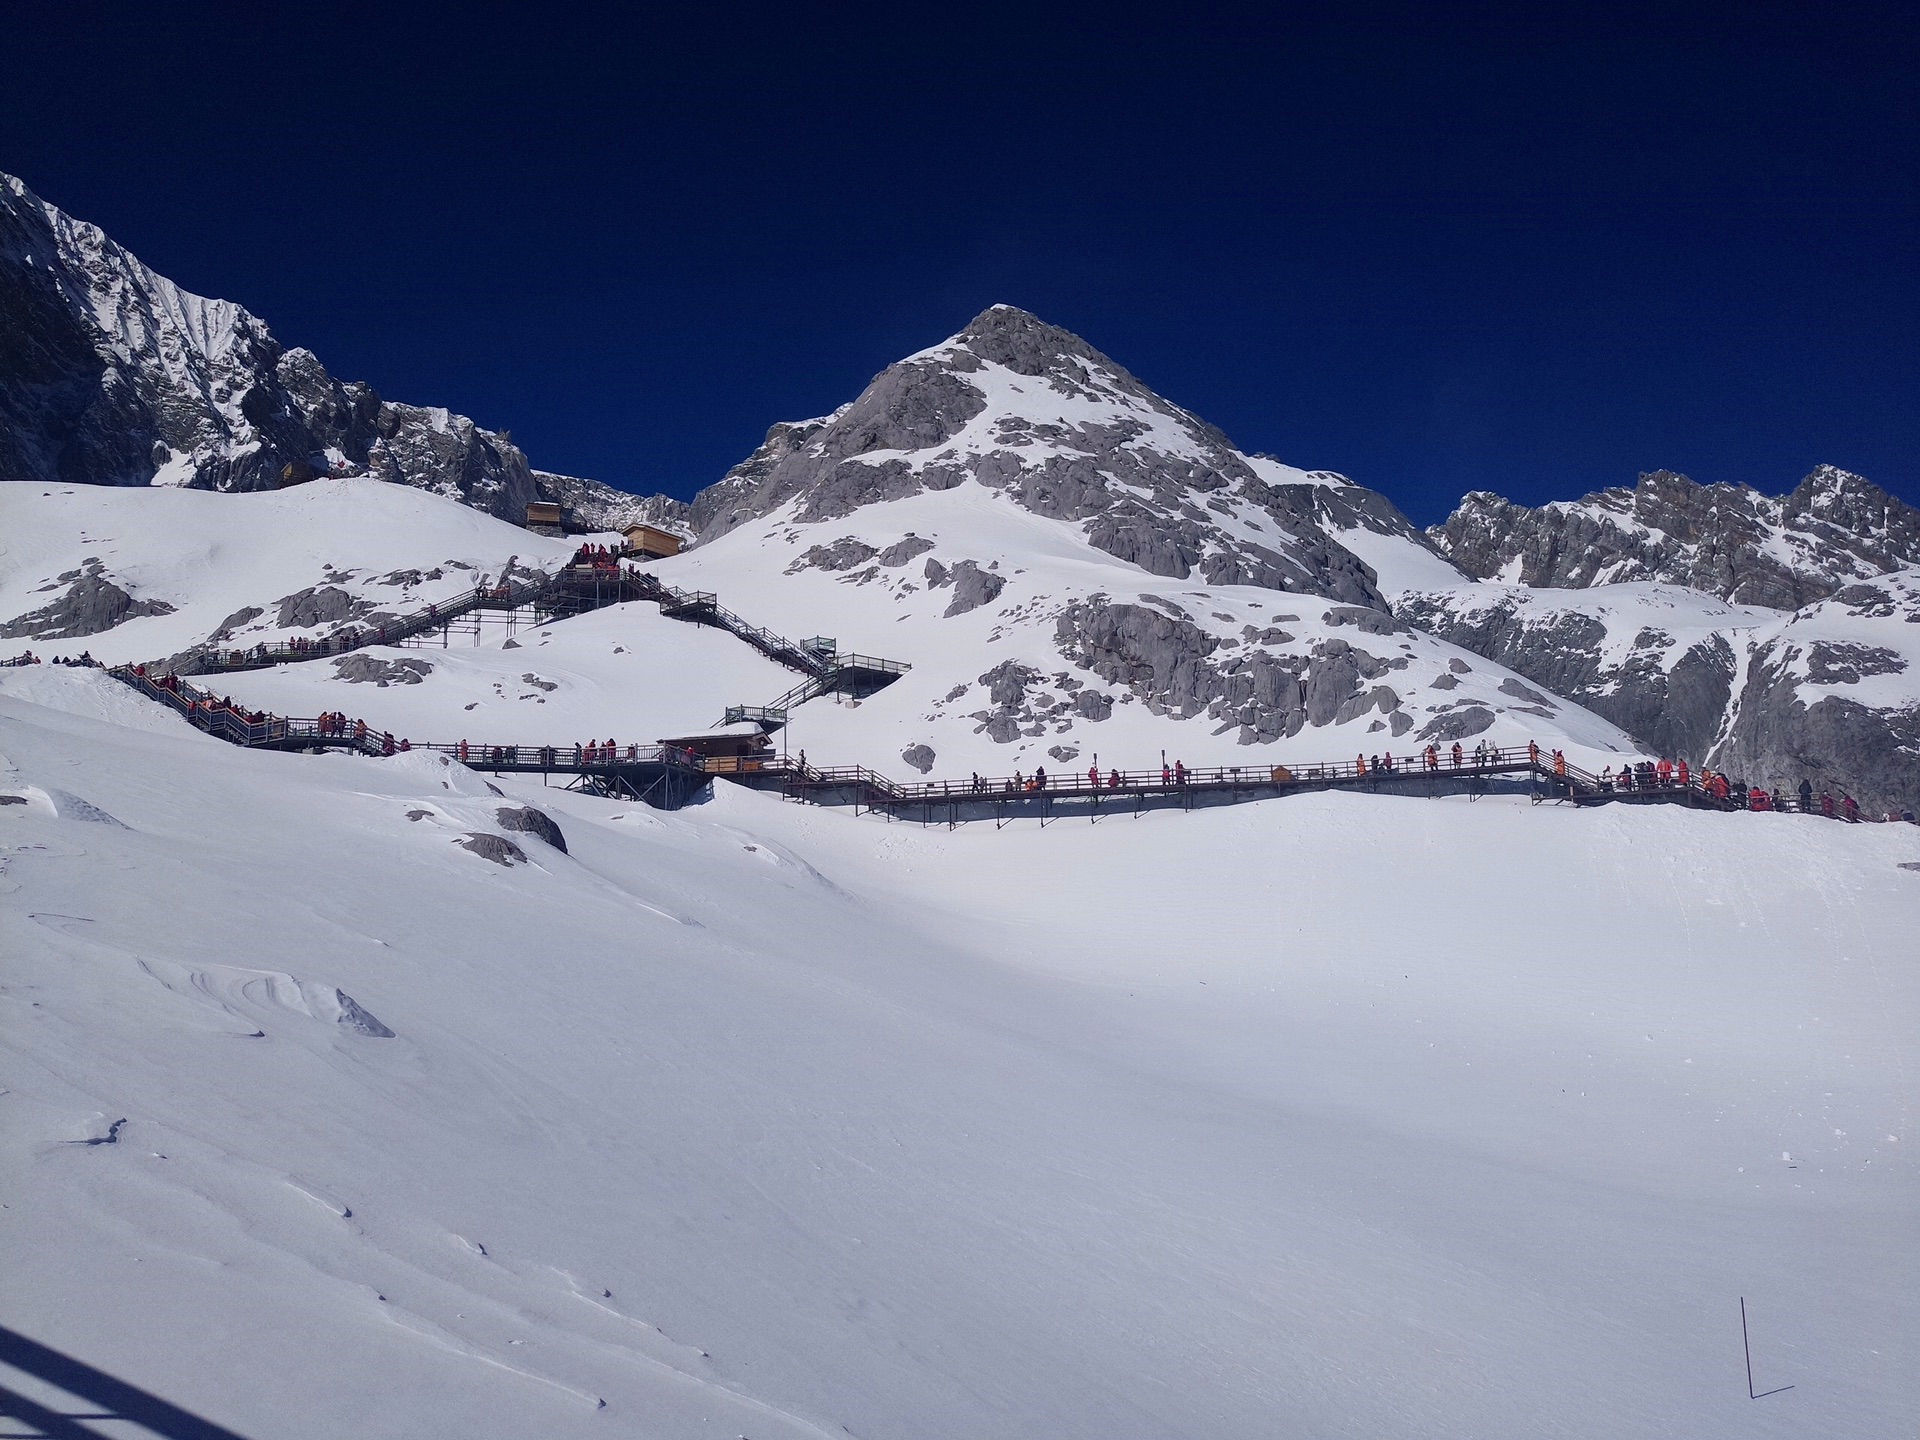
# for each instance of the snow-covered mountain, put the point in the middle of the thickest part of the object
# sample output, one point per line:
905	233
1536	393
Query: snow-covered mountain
1828	693
1726	540
448	1105
1037	415
1765	636
1028	646
110	374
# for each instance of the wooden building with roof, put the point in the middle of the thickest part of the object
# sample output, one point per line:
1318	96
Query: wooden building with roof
650	542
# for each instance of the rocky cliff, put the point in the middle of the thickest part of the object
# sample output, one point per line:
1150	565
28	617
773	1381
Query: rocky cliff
110	374
1035	413
1727	540
1829	692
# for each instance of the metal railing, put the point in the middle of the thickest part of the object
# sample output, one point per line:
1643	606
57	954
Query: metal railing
215	715
214	659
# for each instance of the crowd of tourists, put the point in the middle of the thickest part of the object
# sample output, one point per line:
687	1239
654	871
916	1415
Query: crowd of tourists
599	557
27	657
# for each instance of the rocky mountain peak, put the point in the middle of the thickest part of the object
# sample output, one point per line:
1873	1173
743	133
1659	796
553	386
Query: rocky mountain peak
1731	541
1025	344
1040	416
110	374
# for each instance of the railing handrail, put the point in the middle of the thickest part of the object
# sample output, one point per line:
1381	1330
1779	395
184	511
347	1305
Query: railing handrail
213	714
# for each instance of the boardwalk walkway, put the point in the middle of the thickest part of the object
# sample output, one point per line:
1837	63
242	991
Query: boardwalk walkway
668	777
575	589
661	775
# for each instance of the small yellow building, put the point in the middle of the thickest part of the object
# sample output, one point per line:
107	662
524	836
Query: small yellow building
546	517
651	541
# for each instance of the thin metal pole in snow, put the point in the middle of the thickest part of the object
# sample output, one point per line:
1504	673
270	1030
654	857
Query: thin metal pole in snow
1747	1349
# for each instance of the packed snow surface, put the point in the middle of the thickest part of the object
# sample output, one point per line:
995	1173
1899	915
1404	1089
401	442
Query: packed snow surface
212	557
1339	1115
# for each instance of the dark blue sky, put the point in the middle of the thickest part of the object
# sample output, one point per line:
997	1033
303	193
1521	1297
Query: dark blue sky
1532	249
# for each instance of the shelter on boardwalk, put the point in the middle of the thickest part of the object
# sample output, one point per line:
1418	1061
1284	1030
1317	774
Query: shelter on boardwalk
651	542
732	749
546	517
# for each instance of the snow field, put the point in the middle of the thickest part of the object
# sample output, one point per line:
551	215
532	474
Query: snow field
1338	1115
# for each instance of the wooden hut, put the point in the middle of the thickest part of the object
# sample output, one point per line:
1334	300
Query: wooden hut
729	751
651	542
545	517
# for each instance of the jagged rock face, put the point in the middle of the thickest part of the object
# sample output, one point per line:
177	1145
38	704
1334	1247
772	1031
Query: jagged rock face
1178	668
1038	414
1670	692
596	506
1829	692
1728	540
90	605
110	374
1834	697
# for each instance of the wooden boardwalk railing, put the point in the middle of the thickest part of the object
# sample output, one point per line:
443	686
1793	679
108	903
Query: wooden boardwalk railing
669	775
576	588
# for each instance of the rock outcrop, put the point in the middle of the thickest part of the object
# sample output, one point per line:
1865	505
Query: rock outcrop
1727	540
91	604
1833	696
1038	414
110	374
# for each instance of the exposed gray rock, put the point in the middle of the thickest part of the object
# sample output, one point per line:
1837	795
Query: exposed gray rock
594	505
1830	663
1860	745
846	554
1840	745
1373	622
91	605
901	551
1457	724
320	605
1513	687
245	615
497	848
1008	684
1092	705
972	588
1139	498
1674	706
110	374
920	757
525	819
360	668
357	1018
1728	540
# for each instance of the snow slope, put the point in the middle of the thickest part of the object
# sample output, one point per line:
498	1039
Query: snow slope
1316	1117
210	556
621	673
1029	645
1212	674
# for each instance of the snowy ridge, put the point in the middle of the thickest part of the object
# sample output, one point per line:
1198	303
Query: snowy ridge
1729	540
1017	406
111	374
1828	693
136	575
